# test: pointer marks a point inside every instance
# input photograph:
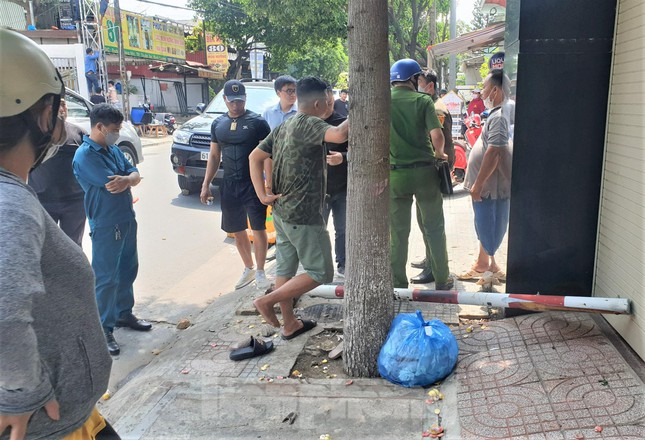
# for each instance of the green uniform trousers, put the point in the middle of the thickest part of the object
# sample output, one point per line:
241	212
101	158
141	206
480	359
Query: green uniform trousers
422	184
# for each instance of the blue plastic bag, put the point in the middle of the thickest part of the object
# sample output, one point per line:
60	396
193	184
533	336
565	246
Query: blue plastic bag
416	352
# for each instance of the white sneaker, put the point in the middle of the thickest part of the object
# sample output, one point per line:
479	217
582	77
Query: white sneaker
246	278
261	280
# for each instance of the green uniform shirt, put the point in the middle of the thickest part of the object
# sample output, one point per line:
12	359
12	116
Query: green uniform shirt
412	118
299	168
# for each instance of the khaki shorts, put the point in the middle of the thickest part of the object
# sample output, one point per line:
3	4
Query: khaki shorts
90	429
305	244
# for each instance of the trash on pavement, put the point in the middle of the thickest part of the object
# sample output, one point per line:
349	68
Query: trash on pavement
183	324
291	417
417	352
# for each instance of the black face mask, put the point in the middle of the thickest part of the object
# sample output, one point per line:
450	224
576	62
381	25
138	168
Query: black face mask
44	144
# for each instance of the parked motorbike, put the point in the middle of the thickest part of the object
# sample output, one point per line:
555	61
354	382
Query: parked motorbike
463	146
169	121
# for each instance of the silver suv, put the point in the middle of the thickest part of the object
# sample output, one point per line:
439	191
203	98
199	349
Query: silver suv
78	113
191	142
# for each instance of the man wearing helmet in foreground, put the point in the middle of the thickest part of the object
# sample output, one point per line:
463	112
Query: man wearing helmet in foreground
54	365
416	141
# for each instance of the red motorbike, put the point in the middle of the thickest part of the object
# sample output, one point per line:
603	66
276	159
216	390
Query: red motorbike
463	146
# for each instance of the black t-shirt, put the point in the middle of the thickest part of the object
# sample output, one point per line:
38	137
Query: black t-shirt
342	108
336	175
97	99
236	138
54	180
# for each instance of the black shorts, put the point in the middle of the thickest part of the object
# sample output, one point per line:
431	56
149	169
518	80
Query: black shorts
238	200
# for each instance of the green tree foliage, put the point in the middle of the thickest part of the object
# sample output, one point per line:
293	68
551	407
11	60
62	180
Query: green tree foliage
285	27
229	20
343	81
409	22
195	41
324	60
480	20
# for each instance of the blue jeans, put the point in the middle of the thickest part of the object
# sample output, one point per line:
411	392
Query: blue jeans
115	263
491	222
337	205
92	82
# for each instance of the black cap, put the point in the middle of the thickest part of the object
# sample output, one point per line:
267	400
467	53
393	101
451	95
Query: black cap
234	90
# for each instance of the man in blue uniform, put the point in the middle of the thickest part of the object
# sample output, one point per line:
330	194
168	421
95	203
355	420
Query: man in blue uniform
233	136
91	71
106	177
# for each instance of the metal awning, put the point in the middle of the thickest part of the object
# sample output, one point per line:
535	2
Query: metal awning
470	41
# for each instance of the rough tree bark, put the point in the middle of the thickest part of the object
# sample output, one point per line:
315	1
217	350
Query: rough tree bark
368	288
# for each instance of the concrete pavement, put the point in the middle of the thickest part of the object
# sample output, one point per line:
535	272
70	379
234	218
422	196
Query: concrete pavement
543	376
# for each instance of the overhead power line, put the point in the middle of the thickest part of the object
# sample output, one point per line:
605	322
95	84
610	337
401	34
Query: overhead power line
221	3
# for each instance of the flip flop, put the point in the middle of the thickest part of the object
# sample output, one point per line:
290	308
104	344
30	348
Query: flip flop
307	325
257	348
472	274
336	352
500	275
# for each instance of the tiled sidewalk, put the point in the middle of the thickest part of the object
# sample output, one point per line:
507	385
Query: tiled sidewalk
546	376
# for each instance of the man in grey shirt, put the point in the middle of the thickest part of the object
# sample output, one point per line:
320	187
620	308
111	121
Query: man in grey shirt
489	178
54	365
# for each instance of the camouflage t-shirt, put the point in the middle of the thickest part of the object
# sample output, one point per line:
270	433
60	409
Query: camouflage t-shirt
299	168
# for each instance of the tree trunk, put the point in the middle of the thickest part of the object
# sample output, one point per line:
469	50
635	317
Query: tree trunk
369	294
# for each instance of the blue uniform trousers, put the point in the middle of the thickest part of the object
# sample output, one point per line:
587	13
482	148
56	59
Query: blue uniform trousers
115	263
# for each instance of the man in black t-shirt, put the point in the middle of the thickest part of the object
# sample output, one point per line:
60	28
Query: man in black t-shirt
57	188
233	136
341	106
336	195
97	97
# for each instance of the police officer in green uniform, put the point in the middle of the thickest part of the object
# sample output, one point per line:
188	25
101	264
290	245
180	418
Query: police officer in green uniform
416	139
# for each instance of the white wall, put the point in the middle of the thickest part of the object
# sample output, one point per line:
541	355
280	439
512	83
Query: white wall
76	54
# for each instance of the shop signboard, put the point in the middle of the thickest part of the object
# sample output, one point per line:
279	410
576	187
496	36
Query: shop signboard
144	37
216	53
454	104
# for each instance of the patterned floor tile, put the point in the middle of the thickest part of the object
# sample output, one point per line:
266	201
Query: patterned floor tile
556	326
506	412
489	336
589	401
628	432
495	368
213	360
576	357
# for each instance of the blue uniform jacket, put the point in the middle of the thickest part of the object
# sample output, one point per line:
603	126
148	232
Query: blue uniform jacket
92	166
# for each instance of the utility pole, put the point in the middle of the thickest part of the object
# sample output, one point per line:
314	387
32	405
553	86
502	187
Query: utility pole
122	68
432	33
453	35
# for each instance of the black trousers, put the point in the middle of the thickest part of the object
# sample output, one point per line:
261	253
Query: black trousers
107	433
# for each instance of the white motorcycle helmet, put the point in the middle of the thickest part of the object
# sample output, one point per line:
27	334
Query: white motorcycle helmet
27	75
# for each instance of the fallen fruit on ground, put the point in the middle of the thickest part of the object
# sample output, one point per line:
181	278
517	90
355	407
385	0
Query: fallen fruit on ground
183	324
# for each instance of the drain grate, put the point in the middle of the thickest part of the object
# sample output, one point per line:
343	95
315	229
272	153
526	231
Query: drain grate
323	312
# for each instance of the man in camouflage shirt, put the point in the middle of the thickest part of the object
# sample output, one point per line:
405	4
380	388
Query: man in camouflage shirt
299	183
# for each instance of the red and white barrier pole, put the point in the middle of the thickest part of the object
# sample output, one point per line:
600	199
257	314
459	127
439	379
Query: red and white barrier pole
617	306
